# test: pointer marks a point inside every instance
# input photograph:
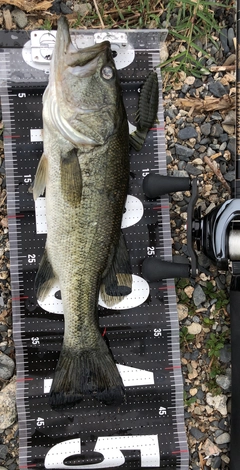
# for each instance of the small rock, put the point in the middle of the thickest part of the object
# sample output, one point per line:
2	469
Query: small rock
223	424
83	9
56	7
230	60
180	173
193	392
224	438
232	145
223	381
189	80
164	53
189	291
230	176
217	89
230	118
218	402
4	222
206	128
188	132
194	328
3	452
223	35
6	366
216	462
20	18
65	9
192	375
200	395
178	196
198	82
182	150
185	88
216	130
193	170
230	36
197	433
210	152
228	129
225	458
225	354
198	295
209	448
182	311
8	405
197	161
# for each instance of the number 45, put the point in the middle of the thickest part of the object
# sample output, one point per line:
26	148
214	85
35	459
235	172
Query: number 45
110	448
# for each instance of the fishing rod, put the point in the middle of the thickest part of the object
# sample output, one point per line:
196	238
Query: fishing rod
217	234
235	287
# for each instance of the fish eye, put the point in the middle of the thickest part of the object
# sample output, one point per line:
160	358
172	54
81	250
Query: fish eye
107	72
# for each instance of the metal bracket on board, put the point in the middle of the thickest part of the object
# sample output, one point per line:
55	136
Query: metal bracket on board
42	43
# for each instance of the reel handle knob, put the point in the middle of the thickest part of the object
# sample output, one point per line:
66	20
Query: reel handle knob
155	185
155	269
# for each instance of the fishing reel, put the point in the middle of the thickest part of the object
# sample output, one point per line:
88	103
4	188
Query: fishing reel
217	234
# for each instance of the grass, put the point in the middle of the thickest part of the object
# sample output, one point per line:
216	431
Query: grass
221	296
214	345
47	25
191	25
194	26
185	337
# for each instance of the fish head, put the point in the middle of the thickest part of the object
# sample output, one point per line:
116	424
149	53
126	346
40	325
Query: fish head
86	86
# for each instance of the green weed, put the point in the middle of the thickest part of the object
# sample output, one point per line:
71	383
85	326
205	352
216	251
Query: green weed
214	344
221	296
194	25
47	25
188	400
185	337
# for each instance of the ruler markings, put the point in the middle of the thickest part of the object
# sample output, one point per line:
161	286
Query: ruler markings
16	224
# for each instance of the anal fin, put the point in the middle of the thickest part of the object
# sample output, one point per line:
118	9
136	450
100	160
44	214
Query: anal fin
117	283
45	277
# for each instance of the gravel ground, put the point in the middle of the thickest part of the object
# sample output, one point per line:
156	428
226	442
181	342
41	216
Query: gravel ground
200	123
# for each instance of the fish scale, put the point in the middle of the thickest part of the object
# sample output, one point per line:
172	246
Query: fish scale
149	428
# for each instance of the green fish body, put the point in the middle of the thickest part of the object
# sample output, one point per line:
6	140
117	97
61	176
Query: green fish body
85	170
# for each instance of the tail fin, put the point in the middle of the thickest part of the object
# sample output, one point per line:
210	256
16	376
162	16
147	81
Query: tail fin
86	373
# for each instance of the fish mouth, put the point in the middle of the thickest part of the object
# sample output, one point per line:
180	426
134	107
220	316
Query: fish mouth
81	62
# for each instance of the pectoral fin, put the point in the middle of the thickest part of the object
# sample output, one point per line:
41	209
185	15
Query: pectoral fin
40	177
45	277
117	283
71	178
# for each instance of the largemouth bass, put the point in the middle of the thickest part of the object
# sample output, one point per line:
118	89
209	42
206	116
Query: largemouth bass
85	170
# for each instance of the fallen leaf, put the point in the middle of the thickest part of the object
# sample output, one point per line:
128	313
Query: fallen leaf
29	6
209	103
7	19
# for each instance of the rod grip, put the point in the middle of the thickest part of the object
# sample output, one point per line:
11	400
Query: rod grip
155	185
235	353
155	269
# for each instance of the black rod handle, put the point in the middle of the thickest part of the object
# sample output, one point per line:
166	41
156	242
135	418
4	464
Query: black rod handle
155	185
235	359
155	269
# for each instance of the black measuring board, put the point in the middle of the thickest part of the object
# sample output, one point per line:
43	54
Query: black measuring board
148	431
